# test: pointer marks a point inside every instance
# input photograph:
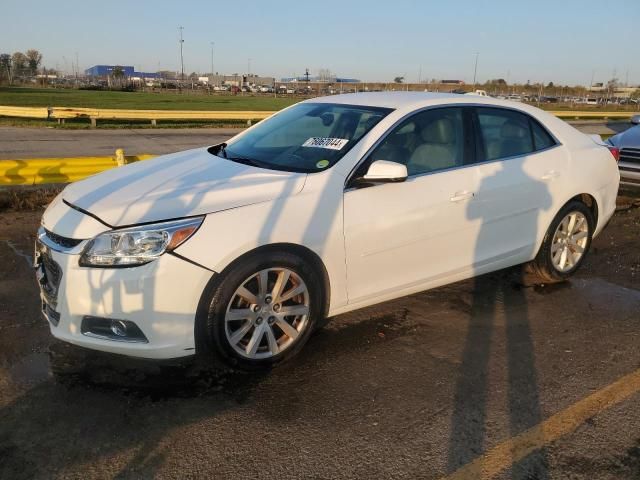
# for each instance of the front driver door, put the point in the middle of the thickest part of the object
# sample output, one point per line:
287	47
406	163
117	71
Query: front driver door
408	234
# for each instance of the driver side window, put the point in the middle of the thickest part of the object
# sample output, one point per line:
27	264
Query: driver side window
427	142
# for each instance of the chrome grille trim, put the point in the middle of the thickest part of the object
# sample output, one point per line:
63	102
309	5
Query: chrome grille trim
64	242
64	246
630	155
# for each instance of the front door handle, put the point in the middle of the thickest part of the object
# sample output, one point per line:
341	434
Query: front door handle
461	196
550	175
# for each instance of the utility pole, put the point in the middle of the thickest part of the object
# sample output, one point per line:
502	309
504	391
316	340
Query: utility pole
180	29
475	70
212	71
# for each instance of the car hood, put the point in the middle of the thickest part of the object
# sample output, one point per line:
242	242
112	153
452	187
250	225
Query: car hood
188	183
628	138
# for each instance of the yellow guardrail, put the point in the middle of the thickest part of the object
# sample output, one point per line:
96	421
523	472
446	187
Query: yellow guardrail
24	112
591	114
35	171
95	114
106	113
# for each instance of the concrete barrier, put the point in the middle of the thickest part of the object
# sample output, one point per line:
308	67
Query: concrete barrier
36	171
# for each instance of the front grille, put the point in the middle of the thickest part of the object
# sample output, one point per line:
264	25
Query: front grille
51	314
630	155
62	241
52	271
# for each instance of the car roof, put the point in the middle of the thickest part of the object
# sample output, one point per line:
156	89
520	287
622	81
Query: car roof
406	100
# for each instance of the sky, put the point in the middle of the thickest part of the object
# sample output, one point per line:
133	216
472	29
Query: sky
564	41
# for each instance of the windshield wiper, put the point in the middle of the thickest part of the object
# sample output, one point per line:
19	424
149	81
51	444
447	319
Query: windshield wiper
221	148
244	160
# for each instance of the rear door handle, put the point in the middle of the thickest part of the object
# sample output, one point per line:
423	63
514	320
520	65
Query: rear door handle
550	175
461	196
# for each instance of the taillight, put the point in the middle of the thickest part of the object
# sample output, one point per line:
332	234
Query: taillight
615	151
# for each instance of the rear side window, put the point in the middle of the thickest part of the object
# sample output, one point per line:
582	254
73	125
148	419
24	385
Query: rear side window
503	133
541	138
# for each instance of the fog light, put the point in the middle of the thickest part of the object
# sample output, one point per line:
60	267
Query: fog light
119	328
112	329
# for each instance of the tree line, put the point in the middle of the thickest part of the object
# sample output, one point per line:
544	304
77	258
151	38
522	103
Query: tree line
19	64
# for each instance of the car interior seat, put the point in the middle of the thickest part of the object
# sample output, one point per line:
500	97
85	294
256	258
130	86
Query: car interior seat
437	149
515	139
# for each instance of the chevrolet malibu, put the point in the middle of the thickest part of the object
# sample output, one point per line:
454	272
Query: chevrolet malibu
330	205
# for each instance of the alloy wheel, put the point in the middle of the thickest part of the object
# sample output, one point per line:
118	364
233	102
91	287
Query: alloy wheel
267	313
569	241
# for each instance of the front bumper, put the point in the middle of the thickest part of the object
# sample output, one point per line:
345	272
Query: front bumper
161	298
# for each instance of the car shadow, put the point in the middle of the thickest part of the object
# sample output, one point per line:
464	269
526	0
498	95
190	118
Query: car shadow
499	307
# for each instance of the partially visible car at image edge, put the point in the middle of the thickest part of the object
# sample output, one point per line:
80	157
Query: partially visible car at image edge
628	144
330	205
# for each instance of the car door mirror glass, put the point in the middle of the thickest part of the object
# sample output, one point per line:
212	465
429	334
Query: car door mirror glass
384	171
635	120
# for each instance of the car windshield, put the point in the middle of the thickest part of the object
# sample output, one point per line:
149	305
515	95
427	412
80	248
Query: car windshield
308	137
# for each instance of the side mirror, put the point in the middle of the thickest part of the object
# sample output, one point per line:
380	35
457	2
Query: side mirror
635	120
384	171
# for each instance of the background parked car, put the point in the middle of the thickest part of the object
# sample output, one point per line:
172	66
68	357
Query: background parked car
628	143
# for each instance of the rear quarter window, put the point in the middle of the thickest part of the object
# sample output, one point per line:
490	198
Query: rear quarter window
541	138
504	133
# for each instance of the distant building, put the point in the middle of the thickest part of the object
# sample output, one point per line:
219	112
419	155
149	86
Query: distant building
128	70
240	80
319	79
451	82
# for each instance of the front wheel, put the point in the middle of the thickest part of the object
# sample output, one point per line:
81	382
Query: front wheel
264	310
565	244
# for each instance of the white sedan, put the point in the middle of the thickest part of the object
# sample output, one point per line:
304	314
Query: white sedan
330	205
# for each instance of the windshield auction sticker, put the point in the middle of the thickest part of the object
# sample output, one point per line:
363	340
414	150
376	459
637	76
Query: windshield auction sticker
324	142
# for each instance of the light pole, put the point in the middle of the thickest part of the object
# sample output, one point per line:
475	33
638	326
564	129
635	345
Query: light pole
212	71
180	29
475	70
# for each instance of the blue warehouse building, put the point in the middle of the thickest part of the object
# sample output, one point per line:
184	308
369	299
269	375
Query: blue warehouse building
105	70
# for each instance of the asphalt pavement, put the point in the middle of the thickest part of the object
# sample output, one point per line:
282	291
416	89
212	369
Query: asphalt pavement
417	387
19	143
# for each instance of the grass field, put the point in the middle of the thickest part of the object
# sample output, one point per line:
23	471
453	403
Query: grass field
50	97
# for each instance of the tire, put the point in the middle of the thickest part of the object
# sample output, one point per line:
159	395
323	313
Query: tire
544	268
226	303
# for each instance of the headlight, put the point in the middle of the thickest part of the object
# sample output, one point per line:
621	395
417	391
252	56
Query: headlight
137	245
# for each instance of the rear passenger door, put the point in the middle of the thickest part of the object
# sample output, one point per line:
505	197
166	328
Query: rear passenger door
521	176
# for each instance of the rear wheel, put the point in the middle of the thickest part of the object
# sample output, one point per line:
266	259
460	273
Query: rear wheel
565	244
264	310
